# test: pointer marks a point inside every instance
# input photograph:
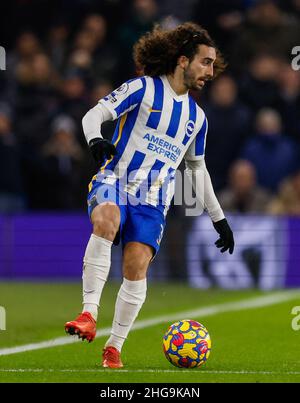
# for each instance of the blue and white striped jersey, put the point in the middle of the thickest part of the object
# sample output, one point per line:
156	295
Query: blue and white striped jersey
156	129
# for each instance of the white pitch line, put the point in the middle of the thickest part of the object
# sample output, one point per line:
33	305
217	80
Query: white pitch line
179	371
258	302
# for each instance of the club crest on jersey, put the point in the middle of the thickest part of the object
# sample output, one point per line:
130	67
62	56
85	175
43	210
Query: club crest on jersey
122	89
189	128
112	97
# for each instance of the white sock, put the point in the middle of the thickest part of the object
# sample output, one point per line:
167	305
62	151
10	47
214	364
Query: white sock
97	260
131	297
92	309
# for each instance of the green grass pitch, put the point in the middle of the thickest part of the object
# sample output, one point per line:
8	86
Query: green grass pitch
249	345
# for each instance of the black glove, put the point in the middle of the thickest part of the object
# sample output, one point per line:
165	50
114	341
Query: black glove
101	149
226	240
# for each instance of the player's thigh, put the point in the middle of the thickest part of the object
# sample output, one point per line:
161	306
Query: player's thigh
136	259
106	218
144	225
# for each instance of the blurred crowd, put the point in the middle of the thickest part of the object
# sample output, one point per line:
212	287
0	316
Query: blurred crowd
63	56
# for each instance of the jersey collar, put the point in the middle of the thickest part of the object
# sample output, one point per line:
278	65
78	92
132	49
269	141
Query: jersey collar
171	91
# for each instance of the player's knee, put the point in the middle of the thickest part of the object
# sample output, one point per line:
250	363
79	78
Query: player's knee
135	270
105	228
106	221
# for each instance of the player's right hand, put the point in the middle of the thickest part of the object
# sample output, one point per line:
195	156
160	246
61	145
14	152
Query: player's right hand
101	149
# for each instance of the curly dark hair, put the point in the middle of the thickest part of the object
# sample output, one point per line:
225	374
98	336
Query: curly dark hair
157	52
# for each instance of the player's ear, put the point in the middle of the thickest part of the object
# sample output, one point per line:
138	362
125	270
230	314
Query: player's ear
183	62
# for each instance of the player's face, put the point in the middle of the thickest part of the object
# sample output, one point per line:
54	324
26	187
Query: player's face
200	69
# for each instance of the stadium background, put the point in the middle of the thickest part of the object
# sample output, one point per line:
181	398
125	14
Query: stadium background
62	56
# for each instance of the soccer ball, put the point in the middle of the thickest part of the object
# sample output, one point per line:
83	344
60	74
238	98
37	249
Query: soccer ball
187	344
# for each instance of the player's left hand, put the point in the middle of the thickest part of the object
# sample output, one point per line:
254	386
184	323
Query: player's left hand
101	149
226	240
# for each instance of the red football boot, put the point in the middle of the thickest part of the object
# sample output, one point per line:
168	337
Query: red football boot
111	358
84	326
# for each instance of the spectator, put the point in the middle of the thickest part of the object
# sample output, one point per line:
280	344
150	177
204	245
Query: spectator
144	14
11	190
267	30
35	99
96	25
73	101
258	86
229	125
18	62
288	199
27	46
57	45
273	155
289	100
63	159
93	39
243	195
80	61
223	18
